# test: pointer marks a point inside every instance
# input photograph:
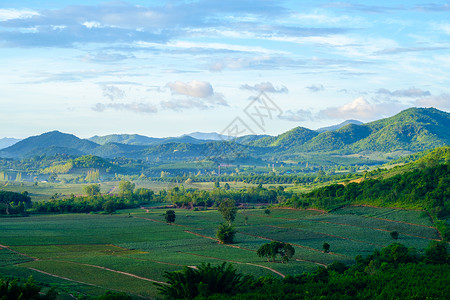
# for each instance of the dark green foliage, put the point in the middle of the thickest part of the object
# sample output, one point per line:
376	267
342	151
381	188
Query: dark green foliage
272	249
114	296
12	289
88	204
92	189
109	206
126	188
267	211
437	253
426	188
228	210
326	247
392	273
225	233
202	281
12	203
394	235
170	216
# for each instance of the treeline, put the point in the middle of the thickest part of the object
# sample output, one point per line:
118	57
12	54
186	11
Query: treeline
12	203
321	176
189	197
94	201
395	272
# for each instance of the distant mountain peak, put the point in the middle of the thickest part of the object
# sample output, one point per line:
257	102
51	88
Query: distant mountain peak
340	125
208	136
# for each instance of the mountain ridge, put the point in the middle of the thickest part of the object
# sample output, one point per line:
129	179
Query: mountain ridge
414	129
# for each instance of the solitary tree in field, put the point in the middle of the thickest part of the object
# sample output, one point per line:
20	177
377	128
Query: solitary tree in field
394	235
170	216
228	210
267	211
270	251
225	233
326	247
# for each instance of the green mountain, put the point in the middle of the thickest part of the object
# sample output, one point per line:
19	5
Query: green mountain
128	139
335	127
292	138
414	129
51	142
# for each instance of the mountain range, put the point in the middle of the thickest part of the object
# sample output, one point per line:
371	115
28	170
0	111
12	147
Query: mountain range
413	130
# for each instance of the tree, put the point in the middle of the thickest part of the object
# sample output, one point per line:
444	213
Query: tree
228	210
92	189
217	184
225	233
126	188
170	216
437	253
203	281
267	211
326	247
109	207
394	235
226	186
270	251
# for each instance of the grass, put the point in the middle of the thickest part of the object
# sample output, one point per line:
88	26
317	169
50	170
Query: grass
78	247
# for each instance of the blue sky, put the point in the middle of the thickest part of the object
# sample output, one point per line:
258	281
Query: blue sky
164	68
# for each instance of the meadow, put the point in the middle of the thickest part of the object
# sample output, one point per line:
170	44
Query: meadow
129	250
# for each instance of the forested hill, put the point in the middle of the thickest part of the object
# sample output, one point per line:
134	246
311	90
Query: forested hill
423	184
414	129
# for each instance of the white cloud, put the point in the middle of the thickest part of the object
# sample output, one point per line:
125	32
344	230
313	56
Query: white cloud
440	102
195	88
112	92
412	92
316	88
265	87
91	24
361	109
10	14
137	107
297	116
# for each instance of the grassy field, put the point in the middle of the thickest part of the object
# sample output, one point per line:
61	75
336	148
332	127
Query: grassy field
128	251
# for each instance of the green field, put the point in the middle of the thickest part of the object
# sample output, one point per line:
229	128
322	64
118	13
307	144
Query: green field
92	253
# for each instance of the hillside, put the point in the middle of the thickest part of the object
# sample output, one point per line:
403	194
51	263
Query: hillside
54	142
412	130
292	138
335	127
128	139
6	142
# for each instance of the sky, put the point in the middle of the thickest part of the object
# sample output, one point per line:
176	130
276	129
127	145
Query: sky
166	68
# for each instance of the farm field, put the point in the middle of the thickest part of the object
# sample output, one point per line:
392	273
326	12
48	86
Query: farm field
128	251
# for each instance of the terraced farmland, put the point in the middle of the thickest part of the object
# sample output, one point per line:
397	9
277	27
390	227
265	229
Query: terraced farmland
129	251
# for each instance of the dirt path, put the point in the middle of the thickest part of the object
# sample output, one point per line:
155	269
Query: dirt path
237	262
65	278
81	282
119	272
7	248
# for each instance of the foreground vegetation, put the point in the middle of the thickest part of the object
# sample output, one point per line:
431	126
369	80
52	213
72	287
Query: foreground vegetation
395	272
